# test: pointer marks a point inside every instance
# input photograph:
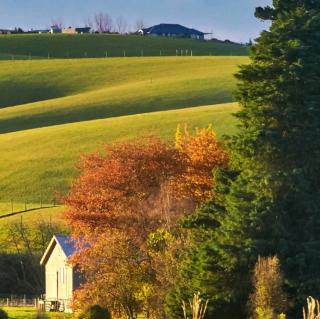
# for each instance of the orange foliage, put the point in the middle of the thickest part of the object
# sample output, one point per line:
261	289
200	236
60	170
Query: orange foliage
125	194
119	190
200	154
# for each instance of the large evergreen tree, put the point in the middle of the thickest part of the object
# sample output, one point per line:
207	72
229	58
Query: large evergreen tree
269	202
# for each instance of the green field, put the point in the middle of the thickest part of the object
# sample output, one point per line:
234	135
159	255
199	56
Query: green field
36	163
102	45
53	111
30	313
57	92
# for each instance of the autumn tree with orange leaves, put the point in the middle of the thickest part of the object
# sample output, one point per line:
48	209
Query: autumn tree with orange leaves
125	194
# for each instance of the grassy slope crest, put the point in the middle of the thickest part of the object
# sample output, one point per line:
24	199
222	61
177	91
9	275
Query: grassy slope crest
101	45
38	162
52	93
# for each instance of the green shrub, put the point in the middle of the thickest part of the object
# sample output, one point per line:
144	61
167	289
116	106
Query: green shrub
95	312
3	314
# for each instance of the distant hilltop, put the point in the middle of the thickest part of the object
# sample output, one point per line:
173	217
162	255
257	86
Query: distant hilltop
105	26
52	30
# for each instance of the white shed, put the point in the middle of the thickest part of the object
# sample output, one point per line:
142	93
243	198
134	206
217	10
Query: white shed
61	278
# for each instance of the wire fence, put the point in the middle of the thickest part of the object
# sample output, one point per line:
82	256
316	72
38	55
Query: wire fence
12	207
9	300
125	53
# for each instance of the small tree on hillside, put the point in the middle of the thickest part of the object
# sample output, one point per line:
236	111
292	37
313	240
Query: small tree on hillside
139	25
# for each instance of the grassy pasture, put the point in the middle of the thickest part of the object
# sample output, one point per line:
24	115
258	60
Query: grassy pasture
36	163
54	92
99	45
30	313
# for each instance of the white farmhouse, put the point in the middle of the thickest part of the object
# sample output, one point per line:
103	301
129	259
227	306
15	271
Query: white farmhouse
61	278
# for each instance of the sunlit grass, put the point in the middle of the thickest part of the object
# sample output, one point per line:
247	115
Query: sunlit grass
37	163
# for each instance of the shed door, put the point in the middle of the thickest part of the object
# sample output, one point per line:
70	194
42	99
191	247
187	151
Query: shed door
51	285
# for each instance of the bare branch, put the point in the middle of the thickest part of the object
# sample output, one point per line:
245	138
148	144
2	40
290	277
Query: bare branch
121	25
103	22
139	24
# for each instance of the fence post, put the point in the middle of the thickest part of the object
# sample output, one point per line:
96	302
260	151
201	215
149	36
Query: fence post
11	206
7	302
25	205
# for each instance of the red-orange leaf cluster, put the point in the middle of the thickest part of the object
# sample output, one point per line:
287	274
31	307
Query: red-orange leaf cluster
126	193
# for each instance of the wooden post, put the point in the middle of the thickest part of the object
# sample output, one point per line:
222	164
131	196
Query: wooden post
11	206
8	302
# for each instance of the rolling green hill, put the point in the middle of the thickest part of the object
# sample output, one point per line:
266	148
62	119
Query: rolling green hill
51	111
54	92
37	46
36	163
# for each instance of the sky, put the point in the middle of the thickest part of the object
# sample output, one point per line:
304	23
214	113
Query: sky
226	19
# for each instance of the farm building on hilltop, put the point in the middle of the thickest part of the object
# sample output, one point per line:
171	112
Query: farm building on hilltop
71	30
5	31
61	278
173	30
55	29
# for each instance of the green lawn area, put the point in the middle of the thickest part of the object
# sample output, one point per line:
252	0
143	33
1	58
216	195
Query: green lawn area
30	313
100	45
36	163
52	111
57	92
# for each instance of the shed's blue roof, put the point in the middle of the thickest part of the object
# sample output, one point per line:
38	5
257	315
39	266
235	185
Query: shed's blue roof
67	244
165	28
